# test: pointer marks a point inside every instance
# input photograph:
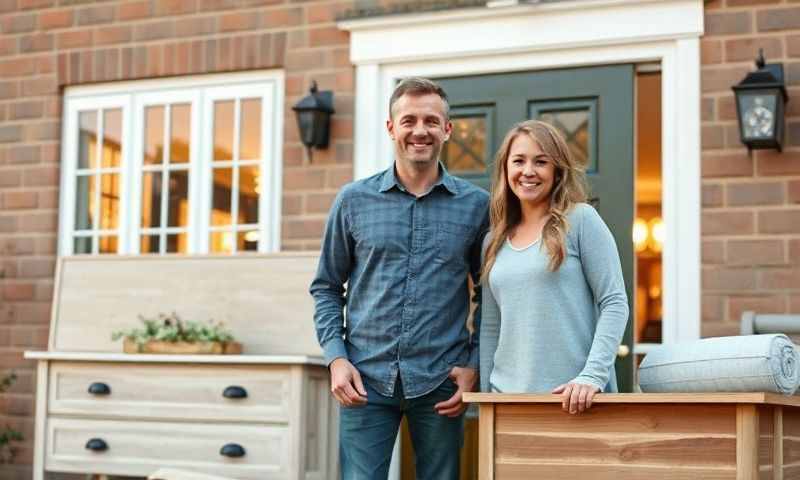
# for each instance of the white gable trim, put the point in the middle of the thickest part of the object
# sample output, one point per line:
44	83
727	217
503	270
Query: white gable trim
557	35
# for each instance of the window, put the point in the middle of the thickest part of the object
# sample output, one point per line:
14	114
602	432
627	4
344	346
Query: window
184	166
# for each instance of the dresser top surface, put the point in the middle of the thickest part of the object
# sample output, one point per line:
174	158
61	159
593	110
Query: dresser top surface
197	359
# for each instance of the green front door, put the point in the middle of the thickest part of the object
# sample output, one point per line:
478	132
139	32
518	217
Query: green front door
593	107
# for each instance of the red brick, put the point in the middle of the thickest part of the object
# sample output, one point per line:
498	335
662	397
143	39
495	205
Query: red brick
154	63
8	224
35	4
713	136
725	23
154	30
8	46
198	55
182	54
86	66
728	279
712	308
713	252
794	191
761	304
39	222
746	49
10	178
26	109
175	7
18	291
338	177
238	21
48	199
779	279
793	45
55	19
112	35
19	200
291	204
10	133
95	15
716	327
344	152
726	165
45	245
217	4
284	17
134	10
732	138
303	179
46	176
36	267
74	39
727	223
794	304
742	3
713	195
305	60
325	13
761	193
304	228
778	19
34	132
779	221
37	42
755	252
770	162
190	27
18	23
43	85
720	79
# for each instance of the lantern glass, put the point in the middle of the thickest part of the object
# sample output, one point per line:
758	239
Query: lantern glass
305	123
757	114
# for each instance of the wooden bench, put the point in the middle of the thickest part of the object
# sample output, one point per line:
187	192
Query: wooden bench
264	414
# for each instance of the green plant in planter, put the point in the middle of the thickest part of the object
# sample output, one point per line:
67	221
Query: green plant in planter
171	328
8	436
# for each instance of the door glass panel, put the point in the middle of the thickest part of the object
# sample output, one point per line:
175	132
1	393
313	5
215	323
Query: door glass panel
84	202
108	244
180	133
221	242
574	126
83	245
150	244
177	243
248	195
112	137
87	140
109	201
465	152
223	130
154	135
247	241
178	208
151	200
250	144
221	213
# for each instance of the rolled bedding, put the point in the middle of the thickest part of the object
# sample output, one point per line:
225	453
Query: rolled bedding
748	363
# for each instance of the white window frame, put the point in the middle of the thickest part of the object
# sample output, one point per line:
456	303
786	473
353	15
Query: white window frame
557	35
132	97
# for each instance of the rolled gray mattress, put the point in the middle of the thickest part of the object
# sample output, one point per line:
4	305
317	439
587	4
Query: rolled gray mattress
748	363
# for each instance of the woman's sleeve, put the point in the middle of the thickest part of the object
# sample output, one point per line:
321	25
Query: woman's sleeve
603	272
490	327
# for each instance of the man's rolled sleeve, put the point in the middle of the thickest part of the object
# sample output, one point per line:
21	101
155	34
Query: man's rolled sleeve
328	286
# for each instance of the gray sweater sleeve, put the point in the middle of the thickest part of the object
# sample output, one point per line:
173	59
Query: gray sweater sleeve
490	327
603	272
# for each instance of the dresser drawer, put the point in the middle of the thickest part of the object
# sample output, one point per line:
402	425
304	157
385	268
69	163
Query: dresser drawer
164	391
140	448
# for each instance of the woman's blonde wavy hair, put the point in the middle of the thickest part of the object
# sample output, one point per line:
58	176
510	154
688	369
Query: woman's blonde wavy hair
569	188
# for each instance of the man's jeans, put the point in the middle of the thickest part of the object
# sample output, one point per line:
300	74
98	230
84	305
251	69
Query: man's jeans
367	434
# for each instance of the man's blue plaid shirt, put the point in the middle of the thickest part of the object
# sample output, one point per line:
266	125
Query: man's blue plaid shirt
405	261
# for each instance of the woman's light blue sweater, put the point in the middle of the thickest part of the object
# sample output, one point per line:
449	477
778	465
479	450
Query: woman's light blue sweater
539	328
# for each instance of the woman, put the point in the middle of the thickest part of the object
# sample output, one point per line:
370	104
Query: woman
554	303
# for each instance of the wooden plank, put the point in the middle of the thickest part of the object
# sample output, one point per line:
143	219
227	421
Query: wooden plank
766	425
746	442
196	359
777	444
671	398
549	471
486	421
40	426
791	449
631	419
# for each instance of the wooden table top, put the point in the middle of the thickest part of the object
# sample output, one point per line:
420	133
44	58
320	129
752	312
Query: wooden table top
750	397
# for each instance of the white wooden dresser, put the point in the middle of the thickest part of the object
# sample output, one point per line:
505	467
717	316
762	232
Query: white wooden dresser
265	414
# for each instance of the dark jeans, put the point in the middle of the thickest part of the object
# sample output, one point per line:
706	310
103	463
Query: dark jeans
367	434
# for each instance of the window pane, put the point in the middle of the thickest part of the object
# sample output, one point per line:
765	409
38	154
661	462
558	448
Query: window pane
221	242
221	197
223	130
250	146
247	241
83	245
248	194
151	199
109	201
180	146
84	202
112	137
108	244
465	151
178	208
574	125
177	243
153	135
149	244
87	140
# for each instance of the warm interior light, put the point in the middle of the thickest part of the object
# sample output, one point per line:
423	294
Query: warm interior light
640	235
657	233
251	236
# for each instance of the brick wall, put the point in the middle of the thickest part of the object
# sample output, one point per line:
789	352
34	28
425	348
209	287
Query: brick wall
46	45
751	202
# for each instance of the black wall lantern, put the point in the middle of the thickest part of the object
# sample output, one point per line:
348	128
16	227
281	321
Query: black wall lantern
760	102
314	118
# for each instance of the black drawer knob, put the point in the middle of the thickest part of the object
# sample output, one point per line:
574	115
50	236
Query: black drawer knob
232	450
97	445
99	388
235	391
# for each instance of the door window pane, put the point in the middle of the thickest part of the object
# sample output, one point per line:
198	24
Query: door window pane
247	241
154	135
180	129
221	213
574	126
223	130
250	127
87	140
151	200
84	202
150	244
465	152
82	245
112	137
178	208
221	242
177	243
108	244
248	195
109	201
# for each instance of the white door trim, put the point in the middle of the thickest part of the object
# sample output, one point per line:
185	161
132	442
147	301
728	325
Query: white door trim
556	35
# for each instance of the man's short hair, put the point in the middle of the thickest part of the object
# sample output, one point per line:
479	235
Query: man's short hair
418	86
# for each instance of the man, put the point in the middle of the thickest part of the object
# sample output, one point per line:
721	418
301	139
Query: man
404	242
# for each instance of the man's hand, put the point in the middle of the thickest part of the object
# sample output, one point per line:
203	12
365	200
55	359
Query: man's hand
346	384
576	397
465	379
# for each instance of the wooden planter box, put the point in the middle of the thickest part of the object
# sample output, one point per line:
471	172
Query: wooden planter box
183	348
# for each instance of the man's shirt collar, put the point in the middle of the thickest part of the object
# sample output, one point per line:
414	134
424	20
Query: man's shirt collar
445	180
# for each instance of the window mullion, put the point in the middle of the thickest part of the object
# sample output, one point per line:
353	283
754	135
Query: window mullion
162	236
97	185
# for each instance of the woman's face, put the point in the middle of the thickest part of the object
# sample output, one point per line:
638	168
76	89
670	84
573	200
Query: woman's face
530	172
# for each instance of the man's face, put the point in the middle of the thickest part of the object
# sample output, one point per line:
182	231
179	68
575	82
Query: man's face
418	127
